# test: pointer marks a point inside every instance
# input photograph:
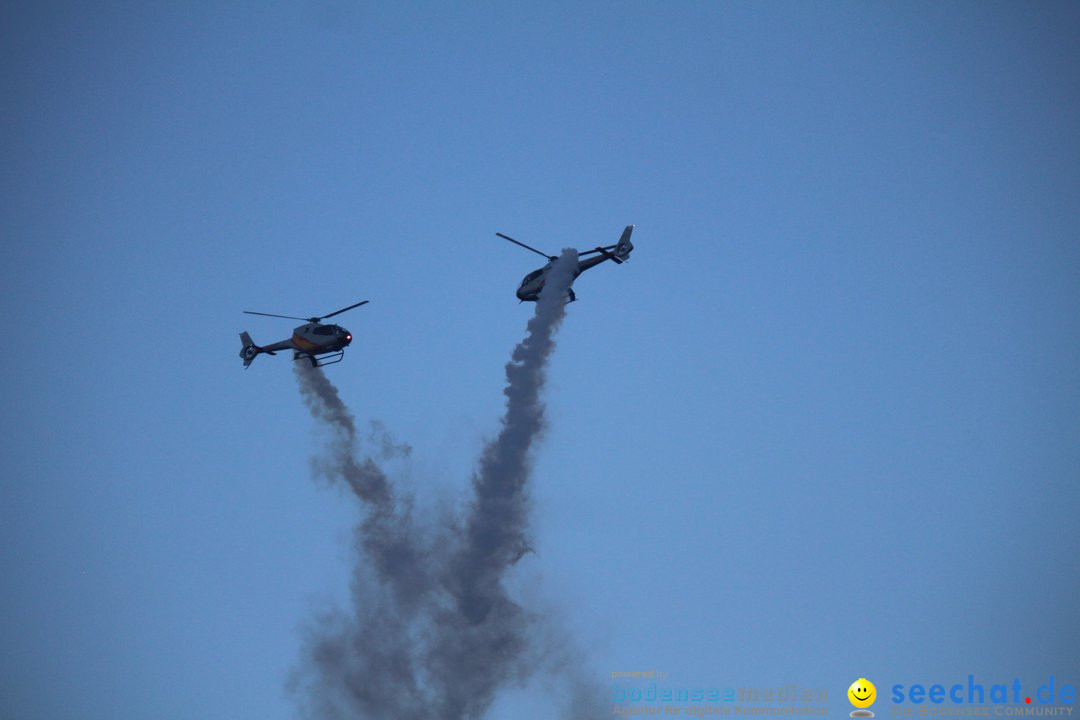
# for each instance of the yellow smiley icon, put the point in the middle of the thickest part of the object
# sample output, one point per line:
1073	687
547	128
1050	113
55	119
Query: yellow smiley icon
862	693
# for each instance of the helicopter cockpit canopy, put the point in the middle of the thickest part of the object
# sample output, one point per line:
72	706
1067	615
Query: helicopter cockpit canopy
332	331
532	276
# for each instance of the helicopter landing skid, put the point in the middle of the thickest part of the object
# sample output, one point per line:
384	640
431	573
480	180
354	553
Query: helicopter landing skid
331	359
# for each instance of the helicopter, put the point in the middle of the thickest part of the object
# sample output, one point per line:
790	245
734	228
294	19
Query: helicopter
533	282
310	340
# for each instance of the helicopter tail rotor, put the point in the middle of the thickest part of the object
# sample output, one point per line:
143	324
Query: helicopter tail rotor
624	246
250	350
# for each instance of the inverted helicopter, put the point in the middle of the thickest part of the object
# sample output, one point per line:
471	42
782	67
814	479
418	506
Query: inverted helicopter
534	282
311	340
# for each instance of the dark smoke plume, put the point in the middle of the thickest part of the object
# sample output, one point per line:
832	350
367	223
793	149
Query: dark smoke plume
432	631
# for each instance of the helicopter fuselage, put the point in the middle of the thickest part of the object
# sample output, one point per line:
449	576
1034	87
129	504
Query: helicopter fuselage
310	341
533	283
318	339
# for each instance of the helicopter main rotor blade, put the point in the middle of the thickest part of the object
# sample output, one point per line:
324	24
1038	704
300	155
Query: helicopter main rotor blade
287	317
507	237
338	312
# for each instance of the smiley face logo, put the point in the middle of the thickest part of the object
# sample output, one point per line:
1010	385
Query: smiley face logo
862	693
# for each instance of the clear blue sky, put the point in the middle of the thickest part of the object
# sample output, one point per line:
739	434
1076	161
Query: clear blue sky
824	425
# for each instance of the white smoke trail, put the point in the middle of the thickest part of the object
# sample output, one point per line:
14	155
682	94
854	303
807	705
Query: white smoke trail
433	631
